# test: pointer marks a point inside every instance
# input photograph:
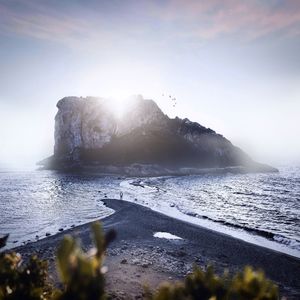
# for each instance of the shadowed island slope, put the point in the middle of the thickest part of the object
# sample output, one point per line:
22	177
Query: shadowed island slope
143	141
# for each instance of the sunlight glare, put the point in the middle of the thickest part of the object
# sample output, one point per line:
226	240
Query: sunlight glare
117	106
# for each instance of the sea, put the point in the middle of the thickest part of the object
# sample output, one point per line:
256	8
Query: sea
263	209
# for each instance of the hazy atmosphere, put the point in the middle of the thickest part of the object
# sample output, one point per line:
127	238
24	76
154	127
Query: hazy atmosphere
233	66
150	149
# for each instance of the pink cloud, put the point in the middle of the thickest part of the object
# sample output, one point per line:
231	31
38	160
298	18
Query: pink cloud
209	19
189	18
40	22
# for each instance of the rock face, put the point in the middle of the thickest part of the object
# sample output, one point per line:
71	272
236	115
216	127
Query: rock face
82	124
87	132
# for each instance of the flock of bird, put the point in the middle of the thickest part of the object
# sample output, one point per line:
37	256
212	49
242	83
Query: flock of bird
172	99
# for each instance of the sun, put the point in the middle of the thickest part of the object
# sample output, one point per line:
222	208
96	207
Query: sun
118	105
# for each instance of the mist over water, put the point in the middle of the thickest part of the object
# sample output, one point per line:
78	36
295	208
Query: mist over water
265	207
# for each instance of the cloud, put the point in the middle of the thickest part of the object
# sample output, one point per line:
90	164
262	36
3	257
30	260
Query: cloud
250	19
67	23
41	21
78	22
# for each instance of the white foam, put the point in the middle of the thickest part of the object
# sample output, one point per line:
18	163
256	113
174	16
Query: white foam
163	203
166	235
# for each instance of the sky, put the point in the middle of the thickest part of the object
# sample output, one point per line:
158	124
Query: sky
233	66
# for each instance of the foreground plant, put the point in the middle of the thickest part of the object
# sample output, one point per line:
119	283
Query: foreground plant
82	272
26	282
206	285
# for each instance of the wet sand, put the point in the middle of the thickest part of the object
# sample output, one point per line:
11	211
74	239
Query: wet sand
136	257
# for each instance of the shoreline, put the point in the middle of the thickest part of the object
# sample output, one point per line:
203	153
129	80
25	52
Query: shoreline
272	240
151	170
137	257
259	238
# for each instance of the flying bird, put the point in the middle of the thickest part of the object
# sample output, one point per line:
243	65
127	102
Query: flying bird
173	99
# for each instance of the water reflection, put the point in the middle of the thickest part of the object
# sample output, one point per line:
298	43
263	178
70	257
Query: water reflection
34	203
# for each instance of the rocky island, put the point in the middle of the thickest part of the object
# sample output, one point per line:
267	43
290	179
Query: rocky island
142	142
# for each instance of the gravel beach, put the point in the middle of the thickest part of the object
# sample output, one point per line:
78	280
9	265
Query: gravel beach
136	257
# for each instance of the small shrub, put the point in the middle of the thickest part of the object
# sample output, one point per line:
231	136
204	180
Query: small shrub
26	282
206	285
82	273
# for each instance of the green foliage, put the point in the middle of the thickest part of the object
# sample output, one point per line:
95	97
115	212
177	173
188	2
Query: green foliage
200	285
28	282
80	272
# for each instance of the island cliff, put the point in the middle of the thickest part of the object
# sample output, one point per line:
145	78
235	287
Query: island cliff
143	141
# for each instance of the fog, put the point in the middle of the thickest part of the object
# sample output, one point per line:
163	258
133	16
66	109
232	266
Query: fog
269	133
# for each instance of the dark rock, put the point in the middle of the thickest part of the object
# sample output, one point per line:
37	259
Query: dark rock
144	141
181	253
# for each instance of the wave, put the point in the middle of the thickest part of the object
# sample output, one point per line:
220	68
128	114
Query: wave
292	243
205	198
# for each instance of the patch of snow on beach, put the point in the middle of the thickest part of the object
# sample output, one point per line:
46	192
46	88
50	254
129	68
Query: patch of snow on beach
166	235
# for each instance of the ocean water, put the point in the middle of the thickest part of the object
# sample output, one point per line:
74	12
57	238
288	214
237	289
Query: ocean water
260	208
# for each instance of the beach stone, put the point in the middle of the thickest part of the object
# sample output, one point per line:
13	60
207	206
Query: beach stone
181	253
60	229
145	265
48	233
123	261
